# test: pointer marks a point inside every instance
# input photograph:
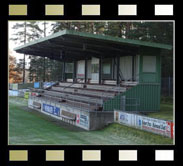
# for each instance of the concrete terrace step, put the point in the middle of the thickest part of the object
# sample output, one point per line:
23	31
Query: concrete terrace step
86	92
129	83
77	104
74	97
105	88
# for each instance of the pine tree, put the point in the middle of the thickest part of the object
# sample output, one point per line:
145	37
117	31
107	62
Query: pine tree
25	32
160	32
36	69
21	37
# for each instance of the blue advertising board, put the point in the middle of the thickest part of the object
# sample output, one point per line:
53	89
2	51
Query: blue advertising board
51	109
36	85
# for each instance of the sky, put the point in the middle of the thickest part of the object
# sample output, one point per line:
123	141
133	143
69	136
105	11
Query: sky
13	44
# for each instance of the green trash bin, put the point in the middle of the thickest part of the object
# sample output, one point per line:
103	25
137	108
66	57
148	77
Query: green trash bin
26	95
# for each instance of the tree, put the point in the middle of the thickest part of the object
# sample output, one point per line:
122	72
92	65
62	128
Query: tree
25	32
160	32
14	72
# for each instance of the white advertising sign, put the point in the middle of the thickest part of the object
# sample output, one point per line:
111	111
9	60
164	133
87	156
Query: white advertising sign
153	125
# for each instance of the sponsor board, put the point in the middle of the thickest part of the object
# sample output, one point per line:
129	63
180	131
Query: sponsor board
14	86
36	84
13	93
156	126
84	120
37	105
125	118
30	102
77	119
153	125
51	109
68	115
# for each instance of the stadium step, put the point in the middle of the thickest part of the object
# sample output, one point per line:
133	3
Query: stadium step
74	97
81	91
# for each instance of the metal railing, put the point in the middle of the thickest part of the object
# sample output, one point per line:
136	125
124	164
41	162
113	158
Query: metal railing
129	104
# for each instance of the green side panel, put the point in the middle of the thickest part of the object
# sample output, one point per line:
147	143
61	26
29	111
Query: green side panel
141	98
150	77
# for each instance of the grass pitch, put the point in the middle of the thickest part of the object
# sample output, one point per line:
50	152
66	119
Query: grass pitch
166	112
27	127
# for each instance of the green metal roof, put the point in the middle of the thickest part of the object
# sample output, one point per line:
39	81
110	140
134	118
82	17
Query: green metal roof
79	44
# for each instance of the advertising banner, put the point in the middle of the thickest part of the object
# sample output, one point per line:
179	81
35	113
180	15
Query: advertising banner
77	119
156	126
153	125
51	109
36	85
15	86
84	120
125	118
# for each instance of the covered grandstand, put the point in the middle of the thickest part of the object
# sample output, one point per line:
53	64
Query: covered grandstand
108	73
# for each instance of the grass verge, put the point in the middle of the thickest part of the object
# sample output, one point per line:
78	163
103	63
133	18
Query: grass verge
30	128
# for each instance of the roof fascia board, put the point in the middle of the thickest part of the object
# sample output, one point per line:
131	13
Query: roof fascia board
100	37
121	40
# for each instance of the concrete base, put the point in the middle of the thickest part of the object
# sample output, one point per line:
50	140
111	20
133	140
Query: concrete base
88	120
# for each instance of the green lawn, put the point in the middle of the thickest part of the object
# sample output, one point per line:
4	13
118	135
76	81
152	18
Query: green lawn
29	127
166	112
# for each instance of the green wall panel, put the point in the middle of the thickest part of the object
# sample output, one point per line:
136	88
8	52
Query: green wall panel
150	77
143	98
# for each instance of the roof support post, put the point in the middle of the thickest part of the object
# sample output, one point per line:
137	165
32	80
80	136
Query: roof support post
100	70
113	68
24	70
86	67
44	70
63	73
133	68
117	76
74	71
